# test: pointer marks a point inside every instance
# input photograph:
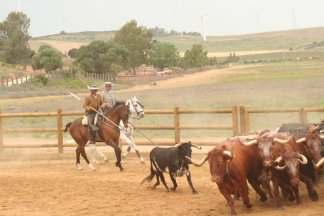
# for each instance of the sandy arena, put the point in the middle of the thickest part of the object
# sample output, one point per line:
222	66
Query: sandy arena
55	187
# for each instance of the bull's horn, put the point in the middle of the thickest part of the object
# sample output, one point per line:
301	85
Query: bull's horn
228	153
252	142
319	163
200	163
278	161
198	147
303	159
280	141
178	144
303	139
322	137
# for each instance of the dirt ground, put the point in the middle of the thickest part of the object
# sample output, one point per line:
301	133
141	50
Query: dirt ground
55	187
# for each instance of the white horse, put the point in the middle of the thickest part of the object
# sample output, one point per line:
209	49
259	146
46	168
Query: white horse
137	112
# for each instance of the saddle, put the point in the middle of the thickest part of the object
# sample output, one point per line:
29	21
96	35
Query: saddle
96	121
84	120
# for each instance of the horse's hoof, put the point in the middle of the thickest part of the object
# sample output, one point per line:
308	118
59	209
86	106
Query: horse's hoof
263	198
121	169
92	168
79	167
248	205
106	160
95	161
142	161
314	196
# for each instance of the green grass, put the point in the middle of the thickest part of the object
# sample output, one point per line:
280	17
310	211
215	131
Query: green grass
296	39
262	85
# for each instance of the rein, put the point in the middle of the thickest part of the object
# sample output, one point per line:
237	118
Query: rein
142	133
105	118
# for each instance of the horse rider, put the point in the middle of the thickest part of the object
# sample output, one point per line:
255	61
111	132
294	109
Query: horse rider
92	103
108	97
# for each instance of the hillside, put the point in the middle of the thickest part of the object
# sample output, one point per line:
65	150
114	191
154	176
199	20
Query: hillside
260	42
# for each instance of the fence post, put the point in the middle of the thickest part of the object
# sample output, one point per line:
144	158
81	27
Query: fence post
1	134
176	125
59	131
302	115
242	120
235	120
247	122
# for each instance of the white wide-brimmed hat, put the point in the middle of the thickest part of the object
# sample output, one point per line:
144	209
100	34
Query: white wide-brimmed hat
93	87
108	83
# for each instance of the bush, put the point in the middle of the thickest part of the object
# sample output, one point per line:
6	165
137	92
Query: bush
41	79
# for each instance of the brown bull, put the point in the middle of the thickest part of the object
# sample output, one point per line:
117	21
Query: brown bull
277	148
285	172
310	146
231	163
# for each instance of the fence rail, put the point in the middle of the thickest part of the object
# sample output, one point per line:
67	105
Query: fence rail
245	115
240	124
176	127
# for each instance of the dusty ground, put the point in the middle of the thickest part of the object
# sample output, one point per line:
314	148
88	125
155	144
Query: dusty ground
57	188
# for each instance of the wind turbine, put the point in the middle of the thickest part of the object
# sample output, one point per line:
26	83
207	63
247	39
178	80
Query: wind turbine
19	5
257	15
203	25
203	18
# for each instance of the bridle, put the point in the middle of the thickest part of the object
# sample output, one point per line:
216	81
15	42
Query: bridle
134	103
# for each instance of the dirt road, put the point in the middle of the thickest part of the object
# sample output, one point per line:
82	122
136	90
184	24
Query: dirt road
41	188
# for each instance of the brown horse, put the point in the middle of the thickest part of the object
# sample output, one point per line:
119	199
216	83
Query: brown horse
108	132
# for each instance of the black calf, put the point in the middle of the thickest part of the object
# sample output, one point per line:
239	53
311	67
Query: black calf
174	159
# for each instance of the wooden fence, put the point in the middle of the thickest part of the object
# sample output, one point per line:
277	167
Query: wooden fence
240	123
135	78
245	115
176	127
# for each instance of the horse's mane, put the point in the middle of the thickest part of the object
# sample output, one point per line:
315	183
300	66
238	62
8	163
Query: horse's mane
119	103
116	104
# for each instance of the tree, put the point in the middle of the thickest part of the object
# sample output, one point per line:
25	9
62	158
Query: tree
195	57
72	53
163	54
14	48
47	58
102	57
138	40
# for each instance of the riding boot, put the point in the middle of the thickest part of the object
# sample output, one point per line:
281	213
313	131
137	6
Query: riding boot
92	139
96	135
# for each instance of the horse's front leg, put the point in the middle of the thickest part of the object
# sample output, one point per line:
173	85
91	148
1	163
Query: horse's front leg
118	154
131	144
134	146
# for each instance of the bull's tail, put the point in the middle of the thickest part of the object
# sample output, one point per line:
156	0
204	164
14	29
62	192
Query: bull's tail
150	177
67	126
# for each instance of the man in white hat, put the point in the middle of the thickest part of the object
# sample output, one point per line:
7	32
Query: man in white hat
92	103
108	97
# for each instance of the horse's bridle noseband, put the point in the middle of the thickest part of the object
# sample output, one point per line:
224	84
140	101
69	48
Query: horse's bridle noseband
135	108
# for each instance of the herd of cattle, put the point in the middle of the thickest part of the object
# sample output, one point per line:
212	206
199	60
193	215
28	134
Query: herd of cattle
268	161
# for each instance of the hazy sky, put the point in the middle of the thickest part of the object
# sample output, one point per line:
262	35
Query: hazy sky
223	17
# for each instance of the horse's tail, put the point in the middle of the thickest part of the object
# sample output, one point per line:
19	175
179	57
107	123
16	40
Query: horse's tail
150	177
67	126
